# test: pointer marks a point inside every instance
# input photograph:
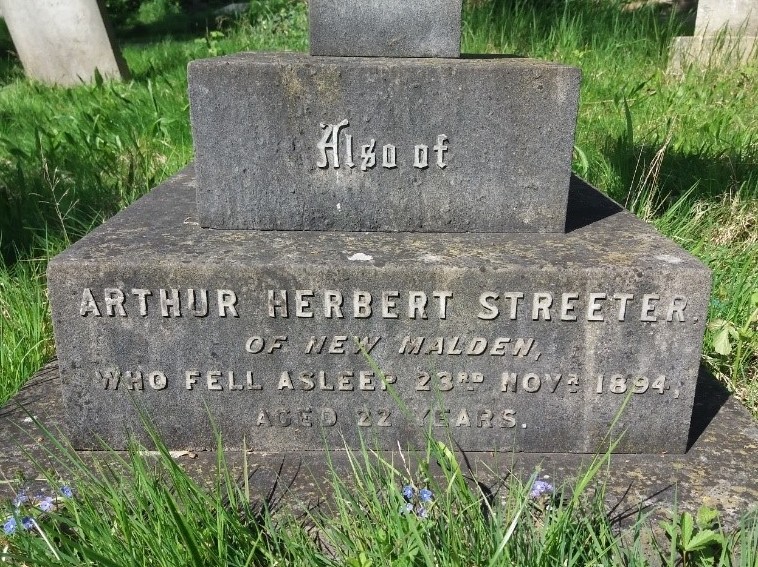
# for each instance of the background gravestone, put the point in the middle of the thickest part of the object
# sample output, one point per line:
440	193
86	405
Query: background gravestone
724	32
63	41
735	15
372	288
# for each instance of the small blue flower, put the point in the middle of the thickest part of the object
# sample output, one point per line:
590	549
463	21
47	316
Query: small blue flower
46	504
425	495
406	508
408	492
67	492
540	488
27	522
9	527
422	512
21	498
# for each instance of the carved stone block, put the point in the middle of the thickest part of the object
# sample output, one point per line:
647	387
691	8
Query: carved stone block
299	341
385	28
291	142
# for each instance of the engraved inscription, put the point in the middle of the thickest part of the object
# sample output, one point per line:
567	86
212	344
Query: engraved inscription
382	361
571	306
169	303
418	305
334	304
485	418
335	143
622	383
300	417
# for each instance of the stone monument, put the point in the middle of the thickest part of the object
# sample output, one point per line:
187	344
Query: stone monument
724	31
63	42
371	248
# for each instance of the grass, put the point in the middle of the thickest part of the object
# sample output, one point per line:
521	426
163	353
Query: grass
144	509
681	153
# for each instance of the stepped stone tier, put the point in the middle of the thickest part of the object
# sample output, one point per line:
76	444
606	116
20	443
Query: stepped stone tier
373	249
387	28
331	143
296	340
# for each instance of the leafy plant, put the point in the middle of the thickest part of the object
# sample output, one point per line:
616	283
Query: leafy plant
698	540
737	346
211	41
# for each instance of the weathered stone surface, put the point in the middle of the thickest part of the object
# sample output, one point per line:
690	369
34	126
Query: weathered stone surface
385	28
610	298
461	145
63	41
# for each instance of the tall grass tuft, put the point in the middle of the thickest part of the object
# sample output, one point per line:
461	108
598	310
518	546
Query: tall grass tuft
378	509
144	509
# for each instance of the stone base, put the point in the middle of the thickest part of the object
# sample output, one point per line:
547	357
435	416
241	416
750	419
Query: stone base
390	28
711	51
514	342
287	141
718	469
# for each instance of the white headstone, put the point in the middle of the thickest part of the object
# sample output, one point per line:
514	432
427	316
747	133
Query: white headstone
62	41
726	33
734	15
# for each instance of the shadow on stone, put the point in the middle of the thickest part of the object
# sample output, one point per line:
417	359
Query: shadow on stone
634	508
281	484
491	56
36	394
710	395
586	205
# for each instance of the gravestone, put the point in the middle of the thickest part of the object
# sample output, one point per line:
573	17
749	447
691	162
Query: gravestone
63	41
372	248
386	28
725	32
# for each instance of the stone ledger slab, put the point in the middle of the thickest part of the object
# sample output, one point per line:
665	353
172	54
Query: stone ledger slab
385	28
290	142
516	342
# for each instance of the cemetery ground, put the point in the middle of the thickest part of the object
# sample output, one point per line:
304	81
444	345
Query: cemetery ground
681	153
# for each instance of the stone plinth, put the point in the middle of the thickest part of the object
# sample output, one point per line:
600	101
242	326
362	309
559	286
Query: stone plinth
385	28
292	142
515	342
62	41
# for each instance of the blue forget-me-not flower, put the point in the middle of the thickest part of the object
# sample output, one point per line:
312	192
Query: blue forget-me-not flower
416	501
541	488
